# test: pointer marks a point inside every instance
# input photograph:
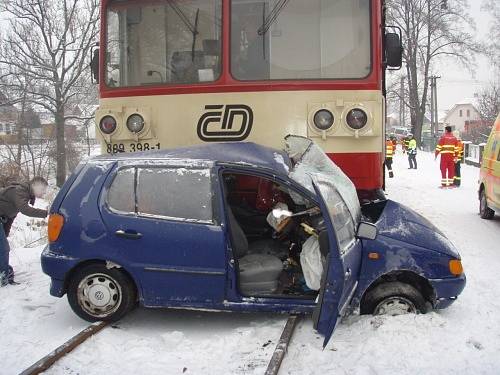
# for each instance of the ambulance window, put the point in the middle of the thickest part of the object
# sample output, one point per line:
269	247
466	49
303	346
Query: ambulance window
121	192
175	193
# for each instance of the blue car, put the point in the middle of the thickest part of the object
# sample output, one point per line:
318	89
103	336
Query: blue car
240	227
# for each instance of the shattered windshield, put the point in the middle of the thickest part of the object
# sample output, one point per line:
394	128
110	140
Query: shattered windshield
312	164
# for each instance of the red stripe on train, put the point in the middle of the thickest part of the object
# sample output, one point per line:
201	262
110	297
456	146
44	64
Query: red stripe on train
364	169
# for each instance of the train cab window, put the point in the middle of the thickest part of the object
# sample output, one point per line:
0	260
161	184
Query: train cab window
298	39
163	42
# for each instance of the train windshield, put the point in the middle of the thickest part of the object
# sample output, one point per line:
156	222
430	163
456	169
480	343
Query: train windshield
163	42
300	39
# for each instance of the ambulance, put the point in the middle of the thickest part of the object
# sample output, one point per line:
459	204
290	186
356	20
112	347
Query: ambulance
489	181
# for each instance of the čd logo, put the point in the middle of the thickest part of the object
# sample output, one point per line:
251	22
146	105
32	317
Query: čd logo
220	123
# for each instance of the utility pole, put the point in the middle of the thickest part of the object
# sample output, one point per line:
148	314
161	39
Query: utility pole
402	102
434	107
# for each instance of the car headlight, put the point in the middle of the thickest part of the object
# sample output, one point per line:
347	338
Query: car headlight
107	124
356	119
135	123
324	119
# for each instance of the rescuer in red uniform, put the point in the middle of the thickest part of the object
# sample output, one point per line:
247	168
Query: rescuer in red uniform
447	147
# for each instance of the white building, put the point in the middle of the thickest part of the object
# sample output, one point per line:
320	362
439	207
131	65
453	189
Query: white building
460	113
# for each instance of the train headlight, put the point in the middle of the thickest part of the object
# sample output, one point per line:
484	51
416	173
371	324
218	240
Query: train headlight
323	119
107	124
135	123
356	119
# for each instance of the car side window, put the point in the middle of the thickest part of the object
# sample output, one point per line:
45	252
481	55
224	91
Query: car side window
177	193
121	193
342	222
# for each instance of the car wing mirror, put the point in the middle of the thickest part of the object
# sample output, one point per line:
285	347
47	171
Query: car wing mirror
367	231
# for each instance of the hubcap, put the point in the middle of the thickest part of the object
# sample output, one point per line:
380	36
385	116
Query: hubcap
395	306
99	295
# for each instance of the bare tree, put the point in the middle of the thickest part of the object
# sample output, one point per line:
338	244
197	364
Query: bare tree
488	102
492	45
432	30
44	57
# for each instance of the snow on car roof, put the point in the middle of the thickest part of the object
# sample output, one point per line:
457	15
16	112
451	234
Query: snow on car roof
246	153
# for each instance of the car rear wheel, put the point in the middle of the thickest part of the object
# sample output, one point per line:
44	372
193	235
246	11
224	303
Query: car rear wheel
97	293
394	298
485	212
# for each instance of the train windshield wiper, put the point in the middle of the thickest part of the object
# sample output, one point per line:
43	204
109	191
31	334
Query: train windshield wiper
271	18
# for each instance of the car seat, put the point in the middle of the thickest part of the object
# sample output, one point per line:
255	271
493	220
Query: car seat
258	271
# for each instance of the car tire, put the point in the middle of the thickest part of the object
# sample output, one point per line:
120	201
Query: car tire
484	211
394	298
96	293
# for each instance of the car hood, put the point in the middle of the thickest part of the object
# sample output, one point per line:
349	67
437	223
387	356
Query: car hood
403	224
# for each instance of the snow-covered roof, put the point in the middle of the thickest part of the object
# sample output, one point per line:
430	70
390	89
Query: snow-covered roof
247	153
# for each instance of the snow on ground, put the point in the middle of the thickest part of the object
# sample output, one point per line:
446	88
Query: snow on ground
463	339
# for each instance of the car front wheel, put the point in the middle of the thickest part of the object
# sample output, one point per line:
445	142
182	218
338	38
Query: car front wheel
97	293
485	212
394	298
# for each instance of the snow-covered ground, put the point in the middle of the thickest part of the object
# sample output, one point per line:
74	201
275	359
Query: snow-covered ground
463	339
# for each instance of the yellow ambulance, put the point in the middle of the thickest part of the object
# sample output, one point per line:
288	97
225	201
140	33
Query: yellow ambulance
489	181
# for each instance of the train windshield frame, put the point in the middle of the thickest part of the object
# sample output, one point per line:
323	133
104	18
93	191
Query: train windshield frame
301	40
180	42
163	42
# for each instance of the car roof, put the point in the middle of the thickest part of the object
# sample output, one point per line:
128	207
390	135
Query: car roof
242	153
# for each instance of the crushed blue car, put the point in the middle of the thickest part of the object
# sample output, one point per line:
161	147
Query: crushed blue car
240	227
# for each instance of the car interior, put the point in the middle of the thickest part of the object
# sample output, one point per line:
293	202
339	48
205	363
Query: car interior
269	225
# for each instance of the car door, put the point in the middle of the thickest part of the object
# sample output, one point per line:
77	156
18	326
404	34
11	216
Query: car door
495	179
163	229
343	264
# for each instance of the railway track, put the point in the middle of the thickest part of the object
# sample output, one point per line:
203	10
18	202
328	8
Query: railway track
50	359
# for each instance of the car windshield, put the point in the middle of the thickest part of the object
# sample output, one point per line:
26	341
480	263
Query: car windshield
311	164
300	39
163	42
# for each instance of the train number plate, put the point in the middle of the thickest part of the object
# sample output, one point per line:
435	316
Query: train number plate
115	148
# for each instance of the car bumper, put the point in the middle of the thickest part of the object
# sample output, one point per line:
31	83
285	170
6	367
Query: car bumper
57	266
447	290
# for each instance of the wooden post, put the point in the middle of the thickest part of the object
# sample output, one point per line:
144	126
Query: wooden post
282	346
46	362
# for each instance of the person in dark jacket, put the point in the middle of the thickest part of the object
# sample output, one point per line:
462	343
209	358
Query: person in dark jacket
17	198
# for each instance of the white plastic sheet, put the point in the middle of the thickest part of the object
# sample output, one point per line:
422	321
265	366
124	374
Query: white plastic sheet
310	260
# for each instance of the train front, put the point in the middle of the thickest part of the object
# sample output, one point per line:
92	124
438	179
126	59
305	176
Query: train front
180	72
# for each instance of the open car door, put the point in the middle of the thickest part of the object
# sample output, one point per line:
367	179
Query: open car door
332	284
341	211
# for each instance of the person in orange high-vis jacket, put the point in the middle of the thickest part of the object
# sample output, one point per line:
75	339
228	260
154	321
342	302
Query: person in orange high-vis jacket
460	157
389	155
447	148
